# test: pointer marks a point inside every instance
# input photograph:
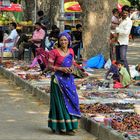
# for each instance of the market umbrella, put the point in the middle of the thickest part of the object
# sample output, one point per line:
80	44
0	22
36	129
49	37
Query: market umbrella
72	7
75	8
12	8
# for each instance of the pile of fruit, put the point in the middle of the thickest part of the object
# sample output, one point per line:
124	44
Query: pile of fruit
6	18
24	23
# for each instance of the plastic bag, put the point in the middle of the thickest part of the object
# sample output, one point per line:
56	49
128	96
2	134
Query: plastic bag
108	64
47	42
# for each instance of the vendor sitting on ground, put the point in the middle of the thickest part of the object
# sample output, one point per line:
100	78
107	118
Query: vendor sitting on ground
113	72
125	78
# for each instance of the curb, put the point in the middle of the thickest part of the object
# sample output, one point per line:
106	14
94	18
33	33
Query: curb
39	94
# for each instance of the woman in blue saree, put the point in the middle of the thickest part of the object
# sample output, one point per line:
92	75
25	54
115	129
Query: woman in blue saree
64	103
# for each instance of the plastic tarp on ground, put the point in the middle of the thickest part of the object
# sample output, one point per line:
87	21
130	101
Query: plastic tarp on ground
96	62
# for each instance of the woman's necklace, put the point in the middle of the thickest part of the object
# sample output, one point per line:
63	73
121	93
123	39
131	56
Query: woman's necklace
64	51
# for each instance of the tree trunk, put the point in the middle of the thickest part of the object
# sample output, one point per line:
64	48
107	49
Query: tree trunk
29	13
54	12
96	19
51	10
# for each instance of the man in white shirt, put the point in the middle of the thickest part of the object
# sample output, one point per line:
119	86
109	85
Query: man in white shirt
123	31
10	41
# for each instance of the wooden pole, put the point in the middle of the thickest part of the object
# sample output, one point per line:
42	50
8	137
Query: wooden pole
61	18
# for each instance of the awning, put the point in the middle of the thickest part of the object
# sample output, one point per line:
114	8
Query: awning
72	7
12	8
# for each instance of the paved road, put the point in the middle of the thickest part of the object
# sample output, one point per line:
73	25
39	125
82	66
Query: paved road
22	117
133	54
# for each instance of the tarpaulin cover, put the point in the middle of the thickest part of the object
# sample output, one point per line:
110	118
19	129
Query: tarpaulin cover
96	62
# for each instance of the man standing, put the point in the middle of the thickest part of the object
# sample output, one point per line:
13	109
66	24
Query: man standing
123	31
77	41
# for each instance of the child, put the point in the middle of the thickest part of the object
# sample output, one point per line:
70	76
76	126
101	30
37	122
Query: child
113	36
113	72
125	78
115	19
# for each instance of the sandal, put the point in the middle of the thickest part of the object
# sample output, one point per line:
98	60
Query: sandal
53	131
62	133
71	133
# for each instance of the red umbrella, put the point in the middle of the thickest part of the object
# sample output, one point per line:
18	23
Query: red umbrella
75	8
17	7
12	8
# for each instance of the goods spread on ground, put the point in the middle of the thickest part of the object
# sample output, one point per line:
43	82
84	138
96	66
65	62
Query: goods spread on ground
118	109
